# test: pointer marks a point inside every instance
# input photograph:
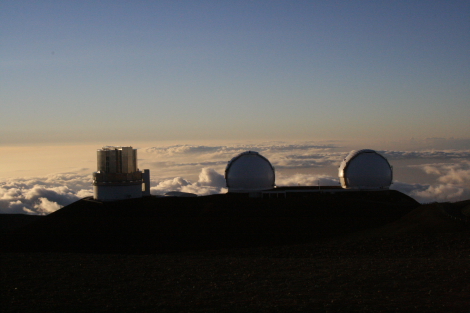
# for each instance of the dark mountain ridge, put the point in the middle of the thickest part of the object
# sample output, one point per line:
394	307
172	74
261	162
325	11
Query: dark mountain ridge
152	224
356	252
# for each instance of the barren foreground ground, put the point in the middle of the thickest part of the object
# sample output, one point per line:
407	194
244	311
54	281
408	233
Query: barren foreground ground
419	263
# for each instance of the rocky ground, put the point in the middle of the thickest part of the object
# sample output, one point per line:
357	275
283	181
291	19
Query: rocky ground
419	262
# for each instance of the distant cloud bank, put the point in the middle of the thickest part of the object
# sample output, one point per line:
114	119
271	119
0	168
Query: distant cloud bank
453	183
448	172
209	182
427	154
43	195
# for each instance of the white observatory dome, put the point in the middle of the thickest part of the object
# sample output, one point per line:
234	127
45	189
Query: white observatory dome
249	171
365	169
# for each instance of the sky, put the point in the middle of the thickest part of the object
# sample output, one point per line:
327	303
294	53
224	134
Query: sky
333	75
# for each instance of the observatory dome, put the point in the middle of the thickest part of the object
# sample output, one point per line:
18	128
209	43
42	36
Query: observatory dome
365	169
249	171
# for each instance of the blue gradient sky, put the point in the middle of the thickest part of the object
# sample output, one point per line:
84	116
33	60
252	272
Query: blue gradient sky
114	71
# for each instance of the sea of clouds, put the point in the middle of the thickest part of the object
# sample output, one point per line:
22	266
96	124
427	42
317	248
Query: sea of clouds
200	169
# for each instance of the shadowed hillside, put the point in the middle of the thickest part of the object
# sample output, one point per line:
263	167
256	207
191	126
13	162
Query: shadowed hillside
360	254
9	222
152	224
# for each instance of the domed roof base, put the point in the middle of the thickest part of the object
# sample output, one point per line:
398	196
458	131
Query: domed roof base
365	169
249	172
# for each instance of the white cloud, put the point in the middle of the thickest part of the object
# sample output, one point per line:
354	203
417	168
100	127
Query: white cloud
170	184
45	206
10	194
42	195
209	182
443	192
433	143
431	193
456	177
307	180
431	169
84	193
222	150
426	154
281	155
13	207
209	177
181	149
167	162
449	173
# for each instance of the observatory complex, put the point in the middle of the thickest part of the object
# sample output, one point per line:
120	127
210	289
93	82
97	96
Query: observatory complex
249	172
117	176
365	169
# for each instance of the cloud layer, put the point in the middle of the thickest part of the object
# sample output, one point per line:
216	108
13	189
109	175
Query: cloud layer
209	182
452	183
43	195
284	156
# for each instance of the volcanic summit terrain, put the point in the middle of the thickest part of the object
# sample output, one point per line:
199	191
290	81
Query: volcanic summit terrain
364	252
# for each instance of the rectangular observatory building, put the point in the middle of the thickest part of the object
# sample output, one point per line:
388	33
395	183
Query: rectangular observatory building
117	176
